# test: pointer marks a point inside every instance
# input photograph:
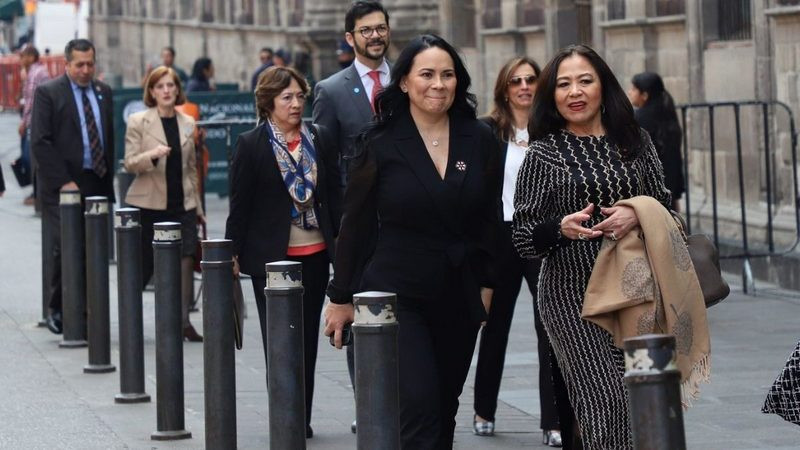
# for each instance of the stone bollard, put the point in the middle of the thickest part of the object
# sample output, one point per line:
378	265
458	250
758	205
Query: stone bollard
129	294
285	363
169	333
375	331
219	372
73	281
654	393
97	290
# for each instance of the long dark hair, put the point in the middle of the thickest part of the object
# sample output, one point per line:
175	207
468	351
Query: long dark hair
658	99
392	101
200	65
501	113
617	112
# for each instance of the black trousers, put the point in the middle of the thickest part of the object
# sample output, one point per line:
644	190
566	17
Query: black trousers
89	184
315	280
494	336
436	341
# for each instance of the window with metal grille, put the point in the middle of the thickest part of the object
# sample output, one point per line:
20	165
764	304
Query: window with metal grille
491	17
530	13
734	19
583	11
670	7
788	2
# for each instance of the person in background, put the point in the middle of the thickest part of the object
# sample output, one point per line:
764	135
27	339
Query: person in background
587	154
425	173
343	101
285	203
168	60
656	114
345	54
265	56
513	100
159	150
36	73
202	73
282	58
72	141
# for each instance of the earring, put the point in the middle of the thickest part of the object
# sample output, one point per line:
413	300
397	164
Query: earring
506	99
404	89
602	109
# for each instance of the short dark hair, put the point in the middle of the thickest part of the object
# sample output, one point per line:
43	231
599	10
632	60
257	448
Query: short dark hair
266	49
200	64
170	50
271	83
30	50
617	113
81	45
360	9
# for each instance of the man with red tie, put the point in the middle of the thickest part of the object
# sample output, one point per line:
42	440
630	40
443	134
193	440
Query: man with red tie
343	102
72	139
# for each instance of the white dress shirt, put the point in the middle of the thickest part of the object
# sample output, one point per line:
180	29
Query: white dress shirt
515	154
366	80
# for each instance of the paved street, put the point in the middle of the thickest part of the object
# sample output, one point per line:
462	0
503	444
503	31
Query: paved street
46	401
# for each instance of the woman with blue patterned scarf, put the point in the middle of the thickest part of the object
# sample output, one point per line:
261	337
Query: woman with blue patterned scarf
285	201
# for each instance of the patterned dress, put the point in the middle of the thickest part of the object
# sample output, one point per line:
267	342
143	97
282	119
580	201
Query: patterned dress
784	396
562	174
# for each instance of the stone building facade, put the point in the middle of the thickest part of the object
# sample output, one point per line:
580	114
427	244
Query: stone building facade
706	51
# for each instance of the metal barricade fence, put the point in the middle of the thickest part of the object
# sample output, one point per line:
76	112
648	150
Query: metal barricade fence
767	140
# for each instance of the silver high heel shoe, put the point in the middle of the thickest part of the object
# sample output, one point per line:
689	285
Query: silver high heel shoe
551	438
482	428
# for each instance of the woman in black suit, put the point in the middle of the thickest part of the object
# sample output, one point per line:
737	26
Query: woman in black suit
284	202
513	100
425	178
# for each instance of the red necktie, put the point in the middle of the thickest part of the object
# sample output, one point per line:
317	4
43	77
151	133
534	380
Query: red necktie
376	85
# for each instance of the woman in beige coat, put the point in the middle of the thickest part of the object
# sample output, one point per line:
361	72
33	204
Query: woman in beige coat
159	149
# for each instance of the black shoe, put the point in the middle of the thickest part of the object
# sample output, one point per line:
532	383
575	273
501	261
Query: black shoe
54	323
353	427
309	432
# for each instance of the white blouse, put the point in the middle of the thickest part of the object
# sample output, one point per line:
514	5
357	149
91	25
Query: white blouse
515	154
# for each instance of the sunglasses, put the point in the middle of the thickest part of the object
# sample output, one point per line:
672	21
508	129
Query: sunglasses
528	79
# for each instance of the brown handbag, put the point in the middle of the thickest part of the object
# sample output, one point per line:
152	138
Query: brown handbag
705	259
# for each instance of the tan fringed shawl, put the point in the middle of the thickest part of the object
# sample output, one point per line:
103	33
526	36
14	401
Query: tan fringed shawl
646	283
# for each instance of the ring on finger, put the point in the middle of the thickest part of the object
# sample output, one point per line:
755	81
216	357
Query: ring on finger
582	236
613	236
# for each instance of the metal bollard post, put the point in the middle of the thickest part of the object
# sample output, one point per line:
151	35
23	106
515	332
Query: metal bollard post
285	364
47	270
375	331
219	371
73	281
97	291
129	294
169	333
654	392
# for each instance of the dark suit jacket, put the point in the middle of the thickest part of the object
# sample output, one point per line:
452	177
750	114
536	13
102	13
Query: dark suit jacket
341	105
260	206
56	139
436	236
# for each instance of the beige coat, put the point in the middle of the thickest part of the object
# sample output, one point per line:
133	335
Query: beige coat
149	189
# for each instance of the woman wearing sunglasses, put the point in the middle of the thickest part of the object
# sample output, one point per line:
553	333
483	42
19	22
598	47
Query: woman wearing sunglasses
513	99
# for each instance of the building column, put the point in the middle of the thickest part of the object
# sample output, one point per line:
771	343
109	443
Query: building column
763	46
695	42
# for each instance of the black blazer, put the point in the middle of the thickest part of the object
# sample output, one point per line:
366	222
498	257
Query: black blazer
502	150
56	139
260	206
434	236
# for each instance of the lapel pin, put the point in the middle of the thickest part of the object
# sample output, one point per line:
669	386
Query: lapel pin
461	166
356	90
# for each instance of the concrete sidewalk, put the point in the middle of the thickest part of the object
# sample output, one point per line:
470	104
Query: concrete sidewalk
46	401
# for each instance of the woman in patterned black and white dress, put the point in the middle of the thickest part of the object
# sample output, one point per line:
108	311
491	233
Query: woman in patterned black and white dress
587	154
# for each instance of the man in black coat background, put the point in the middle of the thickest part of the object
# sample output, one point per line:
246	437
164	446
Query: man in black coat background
72	139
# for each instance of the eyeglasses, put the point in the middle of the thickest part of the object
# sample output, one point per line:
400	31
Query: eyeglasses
528	79
366	32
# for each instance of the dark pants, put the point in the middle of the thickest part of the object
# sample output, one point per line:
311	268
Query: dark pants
90	184
494	336
315	280
435	343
